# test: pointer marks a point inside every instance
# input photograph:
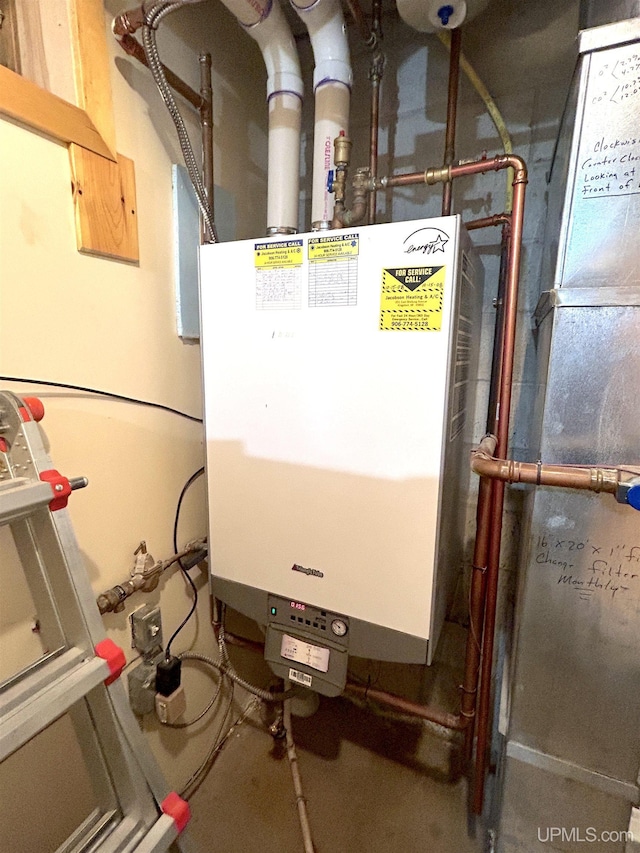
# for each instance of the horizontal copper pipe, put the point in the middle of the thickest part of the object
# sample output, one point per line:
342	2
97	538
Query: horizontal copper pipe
443	174
480	167
405	706
593	479
402	180
488	221
133	47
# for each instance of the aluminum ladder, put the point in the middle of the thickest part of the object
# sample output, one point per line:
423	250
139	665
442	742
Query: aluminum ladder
78	676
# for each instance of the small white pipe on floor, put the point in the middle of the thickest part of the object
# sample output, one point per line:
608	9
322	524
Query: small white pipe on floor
297	780
332	81
264	21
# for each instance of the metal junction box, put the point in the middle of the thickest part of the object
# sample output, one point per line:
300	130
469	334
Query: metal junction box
339	371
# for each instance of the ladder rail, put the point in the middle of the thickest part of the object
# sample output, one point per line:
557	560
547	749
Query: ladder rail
134	809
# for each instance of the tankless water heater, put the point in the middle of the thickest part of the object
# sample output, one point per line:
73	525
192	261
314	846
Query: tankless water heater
339	370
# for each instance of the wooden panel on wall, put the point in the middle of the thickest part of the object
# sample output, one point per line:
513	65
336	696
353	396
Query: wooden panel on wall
104	198
92	67
22	100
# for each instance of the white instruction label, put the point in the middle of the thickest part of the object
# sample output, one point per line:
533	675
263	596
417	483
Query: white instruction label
300	677
315	657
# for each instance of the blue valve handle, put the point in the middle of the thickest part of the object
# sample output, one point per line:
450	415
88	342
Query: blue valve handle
444	13
633	496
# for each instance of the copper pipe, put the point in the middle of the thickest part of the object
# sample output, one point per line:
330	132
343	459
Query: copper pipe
496	358
452	109
469	687
375	75
206	125
398	703
405	706
483	708
401	180
360	21
488	221
133	47
373	145
127	23
589	478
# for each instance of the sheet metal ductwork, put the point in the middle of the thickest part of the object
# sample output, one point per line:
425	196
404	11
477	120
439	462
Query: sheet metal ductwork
572	748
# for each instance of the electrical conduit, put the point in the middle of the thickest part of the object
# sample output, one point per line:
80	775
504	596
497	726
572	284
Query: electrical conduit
332	88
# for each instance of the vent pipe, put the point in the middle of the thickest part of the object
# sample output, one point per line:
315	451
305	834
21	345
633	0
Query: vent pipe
264	21
332	88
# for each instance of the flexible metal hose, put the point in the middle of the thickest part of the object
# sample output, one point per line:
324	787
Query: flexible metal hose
227	669
152	18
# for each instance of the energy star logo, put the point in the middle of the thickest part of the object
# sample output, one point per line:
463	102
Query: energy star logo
305	571
426	241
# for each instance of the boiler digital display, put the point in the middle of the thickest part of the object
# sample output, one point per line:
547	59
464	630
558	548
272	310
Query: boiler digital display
296	605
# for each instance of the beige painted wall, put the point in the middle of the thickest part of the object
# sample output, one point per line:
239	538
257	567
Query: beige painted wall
72	318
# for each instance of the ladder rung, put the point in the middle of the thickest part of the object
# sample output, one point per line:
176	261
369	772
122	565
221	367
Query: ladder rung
29	707
21	497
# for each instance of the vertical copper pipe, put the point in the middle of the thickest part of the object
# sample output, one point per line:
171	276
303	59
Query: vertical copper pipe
375	75
358	16
496	361
452	110
476	613
373	145
497	503
206	124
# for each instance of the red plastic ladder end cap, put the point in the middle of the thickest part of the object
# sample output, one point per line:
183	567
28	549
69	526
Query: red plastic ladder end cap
35	407
178	809
114	656
60	486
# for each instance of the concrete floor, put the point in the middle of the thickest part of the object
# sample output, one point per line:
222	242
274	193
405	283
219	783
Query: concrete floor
372	783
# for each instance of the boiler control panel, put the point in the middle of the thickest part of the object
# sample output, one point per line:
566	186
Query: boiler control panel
307	645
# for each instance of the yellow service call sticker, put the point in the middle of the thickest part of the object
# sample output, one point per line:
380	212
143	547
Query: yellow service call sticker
412	299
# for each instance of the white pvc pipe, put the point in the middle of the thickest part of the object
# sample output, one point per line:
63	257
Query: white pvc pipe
332	80
264	21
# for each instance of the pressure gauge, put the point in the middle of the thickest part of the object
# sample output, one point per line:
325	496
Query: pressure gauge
339	627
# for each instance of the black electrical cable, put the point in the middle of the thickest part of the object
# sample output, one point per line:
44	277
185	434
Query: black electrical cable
87	390
186	574
194	604
185	488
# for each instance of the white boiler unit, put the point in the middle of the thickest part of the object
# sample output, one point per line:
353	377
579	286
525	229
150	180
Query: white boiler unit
339	373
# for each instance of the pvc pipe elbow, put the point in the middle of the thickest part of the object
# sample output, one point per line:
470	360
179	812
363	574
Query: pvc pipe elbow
328	34
273	37
332	71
